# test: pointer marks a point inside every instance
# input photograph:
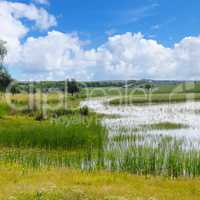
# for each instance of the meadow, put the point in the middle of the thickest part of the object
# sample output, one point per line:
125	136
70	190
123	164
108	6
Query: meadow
80	151
66	184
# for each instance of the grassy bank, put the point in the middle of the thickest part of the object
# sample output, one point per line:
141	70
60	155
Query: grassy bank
65	184
155	98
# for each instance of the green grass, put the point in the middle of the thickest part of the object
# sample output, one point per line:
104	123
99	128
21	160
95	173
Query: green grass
66	133
154	155
80	142
156	126
71	140
155	98
69	156
164	126
135	154
4	109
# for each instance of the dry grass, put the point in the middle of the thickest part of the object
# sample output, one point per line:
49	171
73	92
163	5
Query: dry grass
65	184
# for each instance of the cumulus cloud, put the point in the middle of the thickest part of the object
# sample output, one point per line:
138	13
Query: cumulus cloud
127	56
12	30
186	55
132	56
54	56
58	55
16	11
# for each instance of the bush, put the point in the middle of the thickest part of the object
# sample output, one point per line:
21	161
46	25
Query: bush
84	111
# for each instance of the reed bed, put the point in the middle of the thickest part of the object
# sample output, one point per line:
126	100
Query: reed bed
158	156
68	133
154	155
82	142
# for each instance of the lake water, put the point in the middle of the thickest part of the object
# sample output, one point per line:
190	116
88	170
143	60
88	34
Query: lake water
130	118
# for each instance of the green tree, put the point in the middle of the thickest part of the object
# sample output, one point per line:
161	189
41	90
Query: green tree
15	90
148	87
72	86
5	77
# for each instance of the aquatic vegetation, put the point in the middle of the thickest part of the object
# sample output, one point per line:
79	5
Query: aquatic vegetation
159	139
154	155
162	119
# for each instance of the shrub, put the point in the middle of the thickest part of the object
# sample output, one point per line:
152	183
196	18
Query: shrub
84	111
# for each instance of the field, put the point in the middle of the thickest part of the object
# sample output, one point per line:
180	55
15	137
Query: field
65	184
98	145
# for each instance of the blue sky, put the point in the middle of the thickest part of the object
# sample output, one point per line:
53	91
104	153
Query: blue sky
166	21
165	33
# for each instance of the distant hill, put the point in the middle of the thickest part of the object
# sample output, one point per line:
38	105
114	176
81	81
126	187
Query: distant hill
60	85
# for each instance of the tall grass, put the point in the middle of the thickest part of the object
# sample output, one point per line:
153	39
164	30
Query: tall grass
79	141
154	155
136	154
4	109
68	133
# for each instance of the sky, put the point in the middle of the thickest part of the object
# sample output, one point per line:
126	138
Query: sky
101	39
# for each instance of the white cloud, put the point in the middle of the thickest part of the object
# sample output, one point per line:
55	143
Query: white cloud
127	56
186	54
131	56
45	2
54	56
60	55
17	11
12	30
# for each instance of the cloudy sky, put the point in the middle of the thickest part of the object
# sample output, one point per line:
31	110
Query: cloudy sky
101	39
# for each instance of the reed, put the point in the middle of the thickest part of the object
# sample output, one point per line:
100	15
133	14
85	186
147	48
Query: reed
136	154
79	140
66	133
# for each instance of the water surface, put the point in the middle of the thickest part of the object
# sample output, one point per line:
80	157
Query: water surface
129	118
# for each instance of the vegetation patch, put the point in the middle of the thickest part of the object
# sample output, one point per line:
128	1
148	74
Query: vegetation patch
155	98
65	184
165	126
156	126
68	133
